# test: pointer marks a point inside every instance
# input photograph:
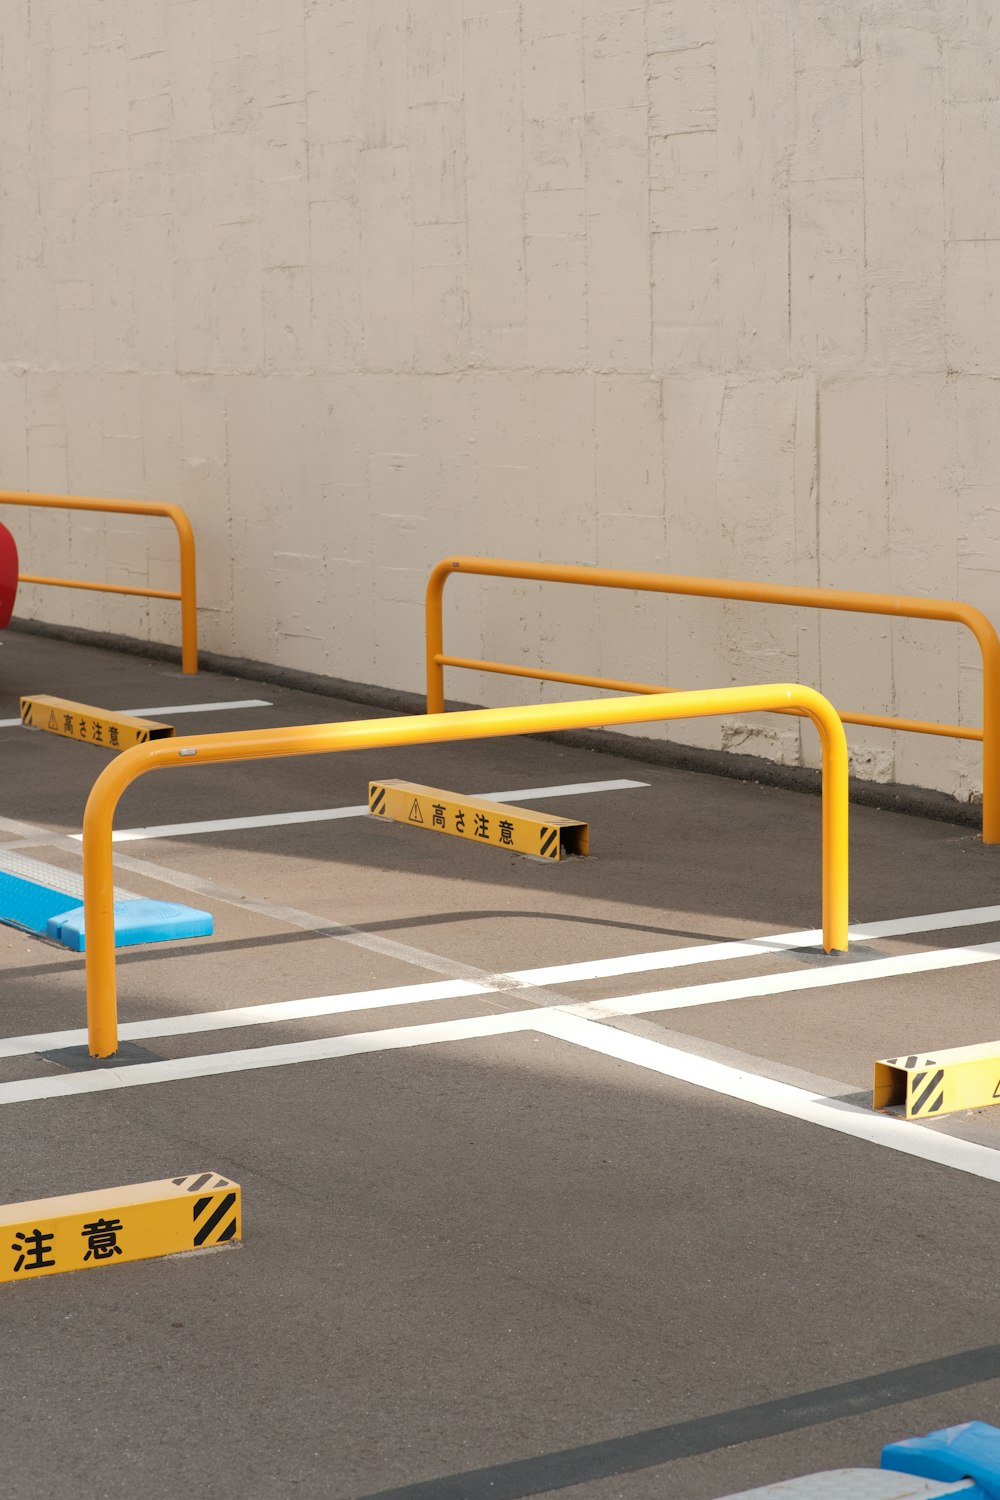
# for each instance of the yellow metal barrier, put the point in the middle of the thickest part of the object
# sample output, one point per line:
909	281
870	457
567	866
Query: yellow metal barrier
187	594
477	724
902	605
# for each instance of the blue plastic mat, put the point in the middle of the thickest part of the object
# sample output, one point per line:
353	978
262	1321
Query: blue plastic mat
25	904
136	921
58	914
970	1451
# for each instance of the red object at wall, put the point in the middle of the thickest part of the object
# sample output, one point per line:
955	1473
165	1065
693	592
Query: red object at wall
8	575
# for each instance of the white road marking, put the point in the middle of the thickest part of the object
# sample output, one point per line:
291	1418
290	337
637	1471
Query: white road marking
568	789
666	958
683	998
685	1067
358	810
230	825
710	953
210	1065
172	708
786	983
935	921
54	877
255	1015
782	1098
201	708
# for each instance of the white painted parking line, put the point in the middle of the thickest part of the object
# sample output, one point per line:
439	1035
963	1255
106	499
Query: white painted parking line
202	708
174	708
283	1055
710	953
358	810
782	1098
935	921
568	789
231	825
723	990
683	998
255	1015
685	1067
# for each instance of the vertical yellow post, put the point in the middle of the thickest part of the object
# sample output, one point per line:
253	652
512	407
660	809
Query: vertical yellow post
188	591
99	897
836	836
434	611
991	732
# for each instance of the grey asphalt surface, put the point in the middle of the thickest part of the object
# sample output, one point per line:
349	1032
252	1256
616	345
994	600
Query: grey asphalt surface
501	1266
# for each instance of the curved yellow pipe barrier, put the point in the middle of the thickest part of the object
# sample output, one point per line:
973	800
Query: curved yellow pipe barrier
187	595
904	606
476	724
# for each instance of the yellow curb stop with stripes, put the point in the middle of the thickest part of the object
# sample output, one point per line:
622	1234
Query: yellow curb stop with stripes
929	1085
89	725
484	822
91	1230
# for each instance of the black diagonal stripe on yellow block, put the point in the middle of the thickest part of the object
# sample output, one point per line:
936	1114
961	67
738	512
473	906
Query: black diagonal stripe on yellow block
376	799
209	1231
931	1091
195	1184
549	841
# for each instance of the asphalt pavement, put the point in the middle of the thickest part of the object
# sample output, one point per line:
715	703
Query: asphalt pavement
558	1177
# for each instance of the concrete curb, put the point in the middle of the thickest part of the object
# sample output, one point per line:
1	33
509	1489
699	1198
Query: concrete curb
914	801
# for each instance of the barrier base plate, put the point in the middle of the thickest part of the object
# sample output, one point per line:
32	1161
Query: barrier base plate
79	1060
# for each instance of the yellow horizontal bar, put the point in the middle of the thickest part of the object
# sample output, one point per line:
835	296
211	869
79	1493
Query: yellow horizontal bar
478	820
909	606
477	724
903	606
914	726
91	1231
576	679
100	503
541	674
185	542
101	588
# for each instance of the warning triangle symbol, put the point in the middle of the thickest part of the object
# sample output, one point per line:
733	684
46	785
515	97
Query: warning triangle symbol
996	1091
416	816
53	724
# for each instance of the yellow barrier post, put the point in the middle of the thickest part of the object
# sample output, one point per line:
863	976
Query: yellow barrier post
476	724
901	605
186	595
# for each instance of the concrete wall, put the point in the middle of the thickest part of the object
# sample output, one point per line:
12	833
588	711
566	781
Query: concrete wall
669	284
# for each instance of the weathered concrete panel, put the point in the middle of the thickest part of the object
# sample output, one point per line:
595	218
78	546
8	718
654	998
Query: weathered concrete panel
674	284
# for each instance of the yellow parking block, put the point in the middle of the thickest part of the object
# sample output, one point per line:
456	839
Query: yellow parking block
474	818
91	1230
91	726
929	1085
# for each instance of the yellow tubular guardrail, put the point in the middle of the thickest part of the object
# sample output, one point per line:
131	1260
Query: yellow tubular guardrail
187	594
904	606
476	724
